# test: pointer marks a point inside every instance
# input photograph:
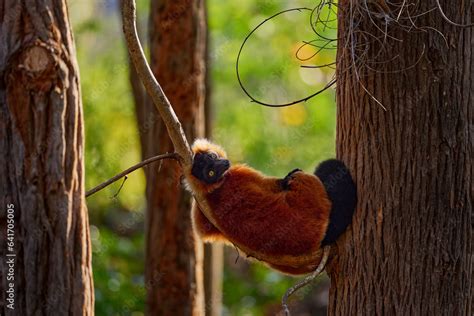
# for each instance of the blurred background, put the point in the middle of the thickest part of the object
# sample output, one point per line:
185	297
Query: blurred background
273	140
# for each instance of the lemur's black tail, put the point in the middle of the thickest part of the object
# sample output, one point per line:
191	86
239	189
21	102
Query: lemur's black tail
342	192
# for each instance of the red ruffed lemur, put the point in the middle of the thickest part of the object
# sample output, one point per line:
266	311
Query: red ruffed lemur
282	222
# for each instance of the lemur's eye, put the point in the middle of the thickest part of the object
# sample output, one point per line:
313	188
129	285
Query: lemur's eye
211	173
213	156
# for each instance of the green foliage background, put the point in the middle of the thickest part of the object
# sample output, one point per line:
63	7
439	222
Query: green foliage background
274	140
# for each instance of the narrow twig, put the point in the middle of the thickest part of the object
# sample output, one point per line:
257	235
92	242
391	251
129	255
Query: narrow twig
130	170
120	188
305	281
238	254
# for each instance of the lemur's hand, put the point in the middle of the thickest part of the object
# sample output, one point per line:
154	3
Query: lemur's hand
292	171
285	183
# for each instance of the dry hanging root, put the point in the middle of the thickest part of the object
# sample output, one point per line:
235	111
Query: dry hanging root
305	281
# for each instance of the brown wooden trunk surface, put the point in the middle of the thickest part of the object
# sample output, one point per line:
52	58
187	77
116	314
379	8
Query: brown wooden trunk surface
213	252
213	272
410	249
173	270
41	161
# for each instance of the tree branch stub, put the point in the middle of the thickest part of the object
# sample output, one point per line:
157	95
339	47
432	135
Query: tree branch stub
130	170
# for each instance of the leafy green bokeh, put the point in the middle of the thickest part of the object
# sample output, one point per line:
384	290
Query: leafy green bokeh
274	140
118	276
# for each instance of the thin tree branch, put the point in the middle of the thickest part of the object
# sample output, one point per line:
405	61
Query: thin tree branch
120	188
163	105
130	170
305	281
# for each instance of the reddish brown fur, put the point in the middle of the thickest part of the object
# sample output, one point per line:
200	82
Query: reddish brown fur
283	228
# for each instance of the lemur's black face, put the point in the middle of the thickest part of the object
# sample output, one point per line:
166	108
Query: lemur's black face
209	168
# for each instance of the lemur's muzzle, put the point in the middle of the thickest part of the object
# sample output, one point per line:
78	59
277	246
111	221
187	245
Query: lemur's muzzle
222	165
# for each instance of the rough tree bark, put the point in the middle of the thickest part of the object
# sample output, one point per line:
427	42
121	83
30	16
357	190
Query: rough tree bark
410	249
41	162
173	269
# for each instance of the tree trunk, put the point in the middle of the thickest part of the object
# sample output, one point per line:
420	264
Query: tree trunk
173	271
213	252
213	271
410	249
41	164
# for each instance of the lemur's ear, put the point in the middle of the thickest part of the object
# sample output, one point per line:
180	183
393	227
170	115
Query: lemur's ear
202	145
